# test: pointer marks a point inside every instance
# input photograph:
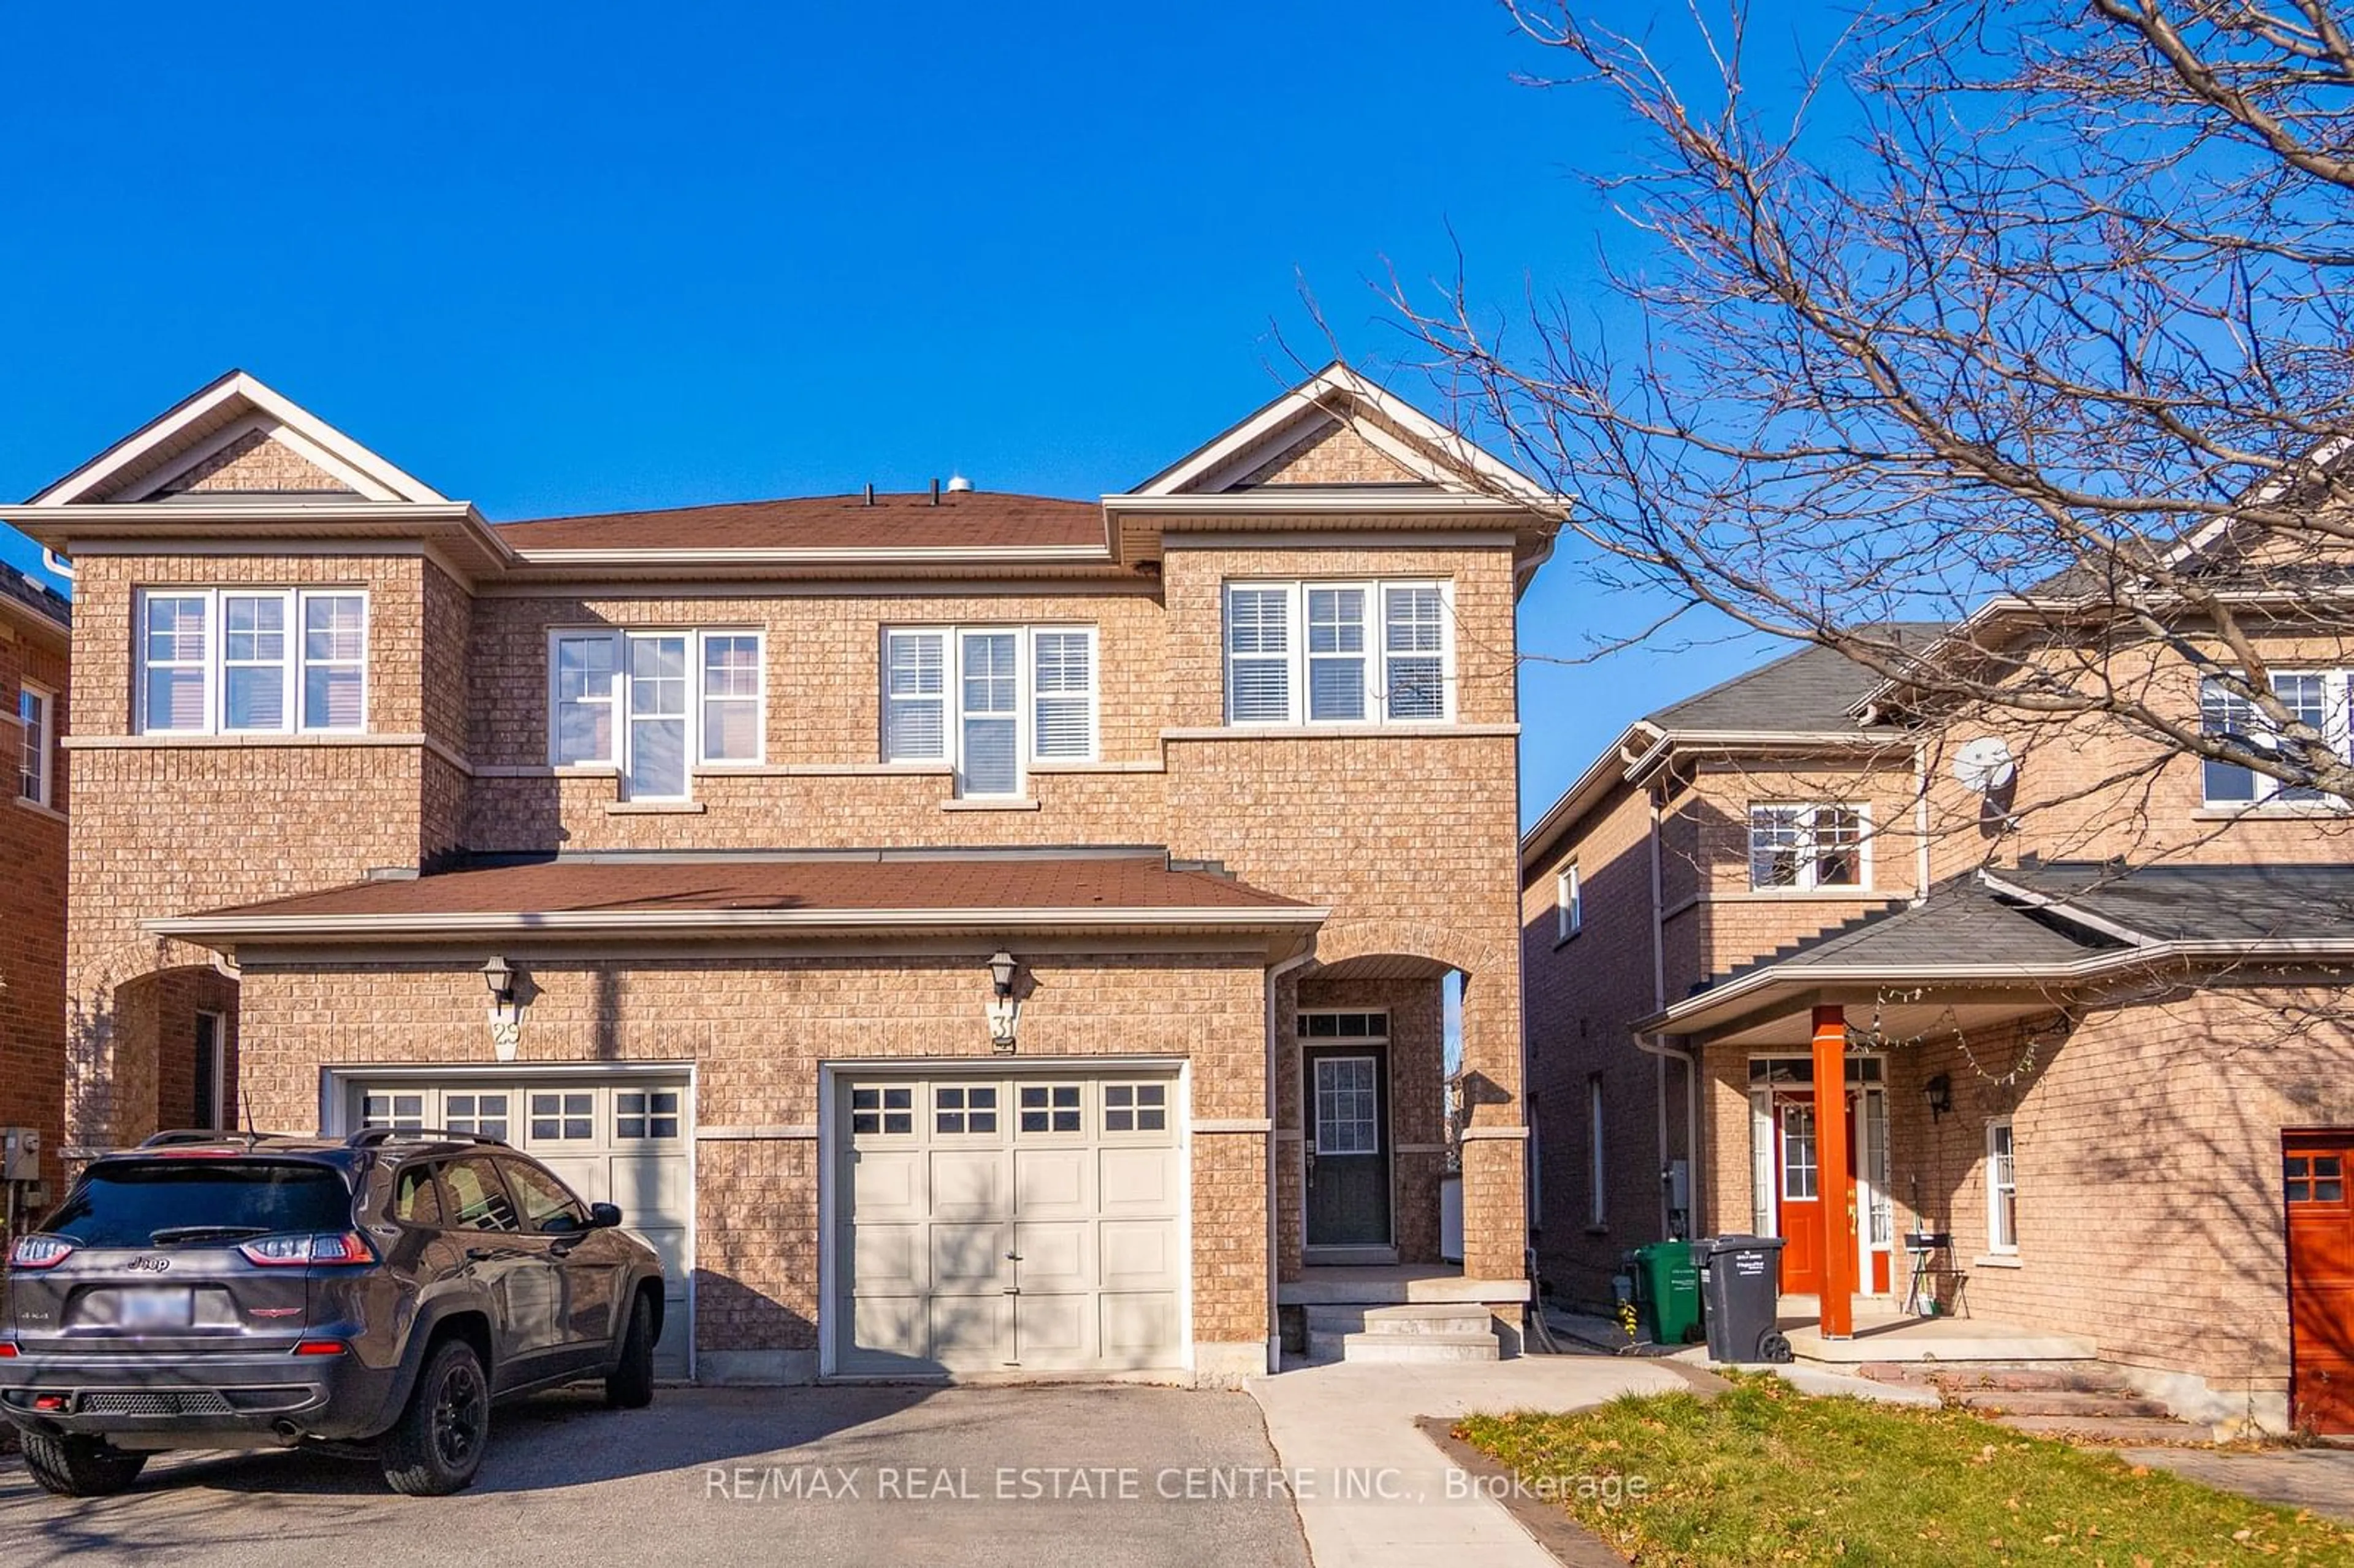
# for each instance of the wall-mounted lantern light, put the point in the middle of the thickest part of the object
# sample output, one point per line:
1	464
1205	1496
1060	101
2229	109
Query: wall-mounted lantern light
1004	1008
1940	1093
506	1011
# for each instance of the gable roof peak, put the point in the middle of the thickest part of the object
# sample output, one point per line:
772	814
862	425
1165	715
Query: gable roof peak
235	411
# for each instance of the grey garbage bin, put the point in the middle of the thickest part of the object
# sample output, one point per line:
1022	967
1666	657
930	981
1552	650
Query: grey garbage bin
1740	1282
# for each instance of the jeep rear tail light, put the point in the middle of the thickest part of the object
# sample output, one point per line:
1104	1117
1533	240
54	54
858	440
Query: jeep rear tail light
7	1349
300	1251
320	1348
39	1252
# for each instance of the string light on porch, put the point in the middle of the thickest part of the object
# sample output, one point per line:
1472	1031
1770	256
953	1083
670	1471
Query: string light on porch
1877	1038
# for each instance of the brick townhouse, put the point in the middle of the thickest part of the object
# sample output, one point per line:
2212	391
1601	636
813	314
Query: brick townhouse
2087	999
35	624
964	931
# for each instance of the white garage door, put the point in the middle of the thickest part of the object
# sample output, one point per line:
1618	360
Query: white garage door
998	1222
612	1140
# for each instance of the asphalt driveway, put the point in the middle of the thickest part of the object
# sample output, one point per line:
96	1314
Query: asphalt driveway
1045	1475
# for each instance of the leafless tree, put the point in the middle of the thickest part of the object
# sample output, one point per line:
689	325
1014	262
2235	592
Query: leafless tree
2039	310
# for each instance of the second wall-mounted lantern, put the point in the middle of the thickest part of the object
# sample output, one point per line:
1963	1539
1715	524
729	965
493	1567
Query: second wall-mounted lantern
1004	1007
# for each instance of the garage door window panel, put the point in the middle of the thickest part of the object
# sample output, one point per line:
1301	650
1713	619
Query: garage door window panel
965	1109
1051	1108
485	1114
649	1114
884	1112
1136	1108
567	1115
401	1112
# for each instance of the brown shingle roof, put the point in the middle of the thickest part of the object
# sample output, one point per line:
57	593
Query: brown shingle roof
850	885
967	520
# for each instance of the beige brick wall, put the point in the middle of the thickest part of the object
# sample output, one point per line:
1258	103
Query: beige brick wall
1408	839
33	934
755	1032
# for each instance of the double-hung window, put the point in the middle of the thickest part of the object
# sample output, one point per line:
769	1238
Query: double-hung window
1568	904
2317	698
2002	1189
989	702
655	706
252	660
1338	653
1809	847
37	715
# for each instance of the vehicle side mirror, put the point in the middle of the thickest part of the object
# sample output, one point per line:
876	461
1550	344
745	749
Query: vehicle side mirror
604	1216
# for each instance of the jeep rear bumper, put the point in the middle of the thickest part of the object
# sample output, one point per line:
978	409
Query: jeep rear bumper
146	1402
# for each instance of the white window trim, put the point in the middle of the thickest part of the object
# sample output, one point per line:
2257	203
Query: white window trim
1597	1167
1025	699
2336	728
1376	652
218	1107
617	760
44	734
1810	861
216	644
1996	1246
1569	903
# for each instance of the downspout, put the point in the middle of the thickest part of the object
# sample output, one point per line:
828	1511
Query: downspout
1655	1047
1920	821
57	565
1659	1001
1274	1169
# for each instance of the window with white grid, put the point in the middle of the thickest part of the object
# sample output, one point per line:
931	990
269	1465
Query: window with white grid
252	660
1339	653
1809	847
989	702
2322	699
656	705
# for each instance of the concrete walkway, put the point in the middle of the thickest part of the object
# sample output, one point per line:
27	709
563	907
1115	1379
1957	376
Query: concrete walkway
1373	1491
2321	1479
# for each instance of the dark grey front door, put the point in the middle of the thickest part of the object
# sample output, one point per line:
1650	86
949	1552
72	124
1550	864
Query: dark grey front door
1347	1146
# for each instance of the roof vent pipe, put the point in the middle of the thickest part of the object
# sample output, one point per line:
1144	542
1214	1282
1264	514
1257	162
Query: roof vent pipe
936	492
870	493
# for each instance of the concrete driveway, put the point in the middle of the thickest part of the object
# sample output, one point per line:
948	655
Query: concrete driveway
1045	1475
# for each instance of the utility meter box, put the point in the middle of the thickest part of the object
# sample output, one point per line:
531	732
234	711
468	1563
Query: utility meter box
20	1154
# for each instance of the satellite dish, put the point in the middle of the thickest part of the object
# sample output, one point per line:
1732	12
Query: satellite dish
1984	765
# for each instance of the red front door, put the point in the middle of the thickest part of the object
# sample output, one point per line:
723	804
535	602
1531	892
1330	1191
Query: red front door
2319	1171
1799	1199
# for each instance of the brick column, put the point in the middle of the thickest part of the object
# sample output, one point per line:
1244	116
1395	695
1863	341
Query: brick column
1495	1134
1833	1167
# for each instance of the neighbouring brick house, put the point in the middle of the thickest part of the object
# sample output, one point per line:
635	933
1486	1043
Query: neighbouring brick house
2082	1041
33	633
963	930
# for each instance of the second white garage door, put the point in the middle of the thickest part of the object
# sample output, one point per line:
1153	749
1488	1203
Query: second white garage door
1008	1223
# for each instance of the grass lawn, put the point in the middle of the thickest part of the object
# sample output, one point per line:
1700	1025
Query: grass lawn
1765	1474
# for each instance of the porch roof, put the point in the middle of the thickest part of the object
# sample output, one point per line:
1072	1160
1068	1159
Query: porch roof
817	893
1996	945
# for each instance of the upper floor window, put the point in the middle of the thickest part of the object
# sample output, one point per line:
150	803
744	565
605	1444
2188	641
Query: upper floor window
35	712
1568	904
253	661
1805	847
1319	652
2318	698
654	705
987	700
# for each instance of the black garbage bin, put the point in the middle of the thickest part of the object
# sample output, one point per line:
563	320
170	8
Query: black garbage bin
1740	1282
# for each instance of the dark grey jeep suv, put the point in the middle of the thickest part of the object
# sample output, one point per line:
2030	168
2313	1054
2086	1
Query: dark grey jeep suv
369	1295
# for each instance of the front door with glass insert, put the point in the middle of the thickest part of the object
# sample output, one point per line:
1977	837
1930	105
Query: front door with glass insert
1347	1146
1786	1176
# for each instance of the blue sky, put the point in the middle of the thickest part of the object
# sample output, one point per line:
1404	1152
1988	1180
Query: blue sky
578	258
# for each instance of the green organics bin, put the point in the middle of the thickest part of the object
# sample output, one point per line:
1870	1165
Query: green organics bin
1667	1291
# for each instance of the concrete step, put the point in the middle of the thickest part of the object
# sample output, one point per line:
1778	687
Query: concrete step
2064	1402
1420	1348
1432	1319
2053	1377
2108	1429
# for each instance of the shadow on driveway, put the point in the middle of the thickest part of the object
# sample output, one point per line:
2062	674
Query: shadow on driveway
724	1476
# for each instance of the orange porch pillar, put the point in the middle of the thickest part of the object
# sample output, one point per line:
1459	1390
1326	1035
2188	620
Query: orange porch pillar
1832	1162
